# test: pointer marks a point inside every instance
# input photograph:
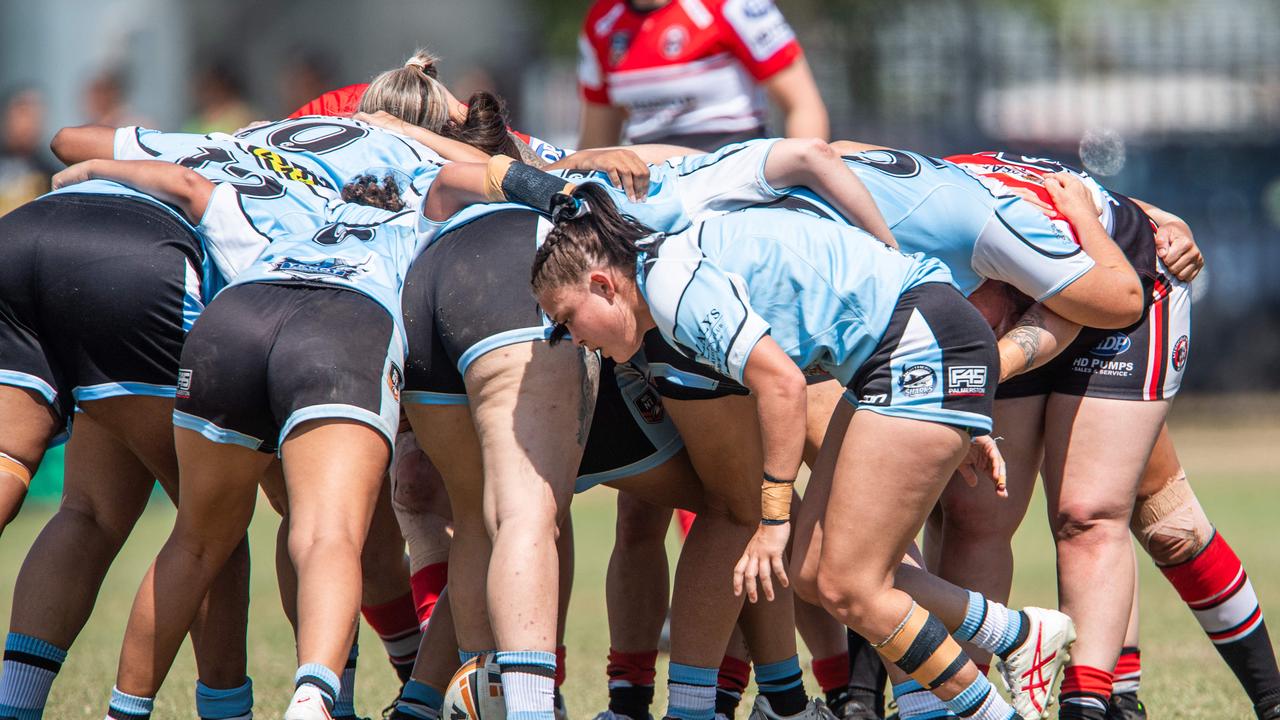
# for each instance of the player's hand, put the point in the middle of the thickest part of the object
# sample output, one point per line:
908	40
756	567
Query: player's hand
1034	199
77	173
1070	196
984	458
382	119
1177	248
625	169
763	560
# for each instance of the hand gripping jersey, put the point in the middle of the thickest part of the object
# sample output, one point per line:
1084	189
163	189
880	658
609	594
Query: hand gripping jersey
681	190
936	208
280	181
691	66
824	291
1006	174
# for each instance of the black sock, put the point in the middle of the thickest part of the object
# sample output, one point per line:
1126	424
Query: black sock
632	701
867	676
727	702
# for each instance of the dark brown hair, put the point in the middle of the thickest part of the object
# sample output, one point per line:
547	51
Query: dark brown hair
368	190
603	235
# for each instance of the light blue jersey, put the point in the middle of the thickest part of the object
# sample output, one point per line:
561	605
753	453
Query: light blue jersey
823	291
936	208
359	248
681	190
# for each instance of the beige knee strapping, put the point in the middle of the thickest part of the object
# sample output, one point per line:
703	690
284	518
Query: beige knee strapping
1170	524
10	464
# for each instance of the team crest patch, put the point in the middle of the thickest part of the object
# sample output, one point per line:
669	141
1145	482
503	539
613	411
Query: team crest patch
184	384
1180	350
674	41
650	407
312	269
395	381
917	380
619	43
967	381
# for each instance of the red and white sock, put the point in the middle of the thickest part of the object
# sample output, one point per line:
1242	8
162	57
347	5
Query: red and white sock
427	584
1128	674
631	677
832	673
1085	693
396	623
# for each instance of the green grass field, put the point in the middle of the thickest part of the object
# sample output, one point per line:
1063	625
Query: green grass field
1230	447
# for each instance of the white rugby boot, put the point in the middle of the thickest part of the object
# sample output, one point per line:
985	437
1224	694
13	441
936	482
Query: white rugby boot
307	704
1030	671
815	710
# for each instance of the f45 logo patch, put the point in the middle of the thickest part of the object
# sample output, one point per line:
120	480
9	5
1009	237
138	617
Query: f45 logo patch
966	380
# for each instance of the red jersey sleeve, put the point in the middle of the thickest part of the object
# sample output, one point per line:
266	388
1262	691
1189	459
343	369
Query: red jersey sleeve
592	49
342	102
758	35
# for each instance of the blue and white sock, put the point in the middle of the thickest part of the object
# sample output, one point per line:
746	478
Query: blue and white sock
691	692
528	683
419	700
980	701
129	707
322	679
917	703
990	625
30	665
345	705
233	704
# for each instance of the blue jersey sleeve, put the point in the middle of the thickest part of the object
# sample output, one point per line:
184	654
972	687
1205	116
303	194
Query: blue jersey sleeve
703	311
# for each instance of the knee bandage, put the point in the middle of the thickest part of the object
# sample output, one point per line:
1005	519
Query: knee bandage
921	647
10	464
1170	524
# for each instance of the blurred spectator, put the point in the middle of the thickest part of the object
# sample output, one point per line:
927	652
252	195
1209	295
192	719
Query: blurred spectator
220	103
692	73
309	75
105	100
24	168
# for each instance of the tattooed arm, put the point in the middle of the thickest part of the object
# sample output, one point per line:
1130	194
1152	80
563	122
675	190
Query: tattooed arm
1036	338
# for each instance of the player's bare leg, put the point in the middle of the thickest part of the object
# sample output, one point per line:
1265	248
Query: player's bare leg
1090	502
29	424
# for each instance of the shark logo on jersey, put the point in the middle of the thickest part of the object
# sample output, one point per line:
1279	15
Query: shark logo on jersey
338	232
917	380
312	269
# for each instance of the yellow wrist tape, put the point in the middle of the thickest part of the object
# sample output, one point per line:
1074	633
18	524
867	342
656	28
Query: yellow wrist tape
495	171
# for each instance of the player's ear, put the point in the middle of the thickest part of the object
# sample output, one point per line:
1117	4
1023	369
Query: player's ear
603	283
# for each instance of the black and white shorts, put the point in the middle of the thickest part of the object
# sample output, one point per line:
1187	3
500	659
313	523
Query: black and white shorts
97	293
937	361
1144	361
468	294
265	357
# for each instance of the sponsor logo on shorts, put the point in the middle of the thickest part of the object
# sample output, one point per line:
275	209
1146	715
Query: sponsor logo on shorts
650	407
917	380
184	384
874	399
395	381
1099	366
1180	350
308	269
967	381
1112	345
674	40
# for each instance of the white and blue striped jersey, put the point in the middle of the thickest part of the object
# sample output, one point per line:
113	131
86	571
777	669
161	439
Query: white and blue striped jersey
681	190
824	291
936	208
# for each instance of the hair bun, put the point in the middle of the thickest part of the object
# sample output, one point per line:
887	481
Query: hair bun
425	61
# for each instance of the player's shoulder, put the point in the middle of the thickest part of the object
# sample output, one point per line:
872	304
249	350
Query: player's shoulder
602	17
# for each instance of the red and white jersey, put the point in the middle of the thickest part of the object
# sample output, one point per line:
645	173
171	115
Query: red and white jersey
691	66
1008	173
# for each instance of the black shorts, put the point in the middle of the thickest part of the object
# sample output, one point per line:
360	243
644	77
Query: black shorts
937	362
630	430
265	357
1144	361
465	295
97	293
